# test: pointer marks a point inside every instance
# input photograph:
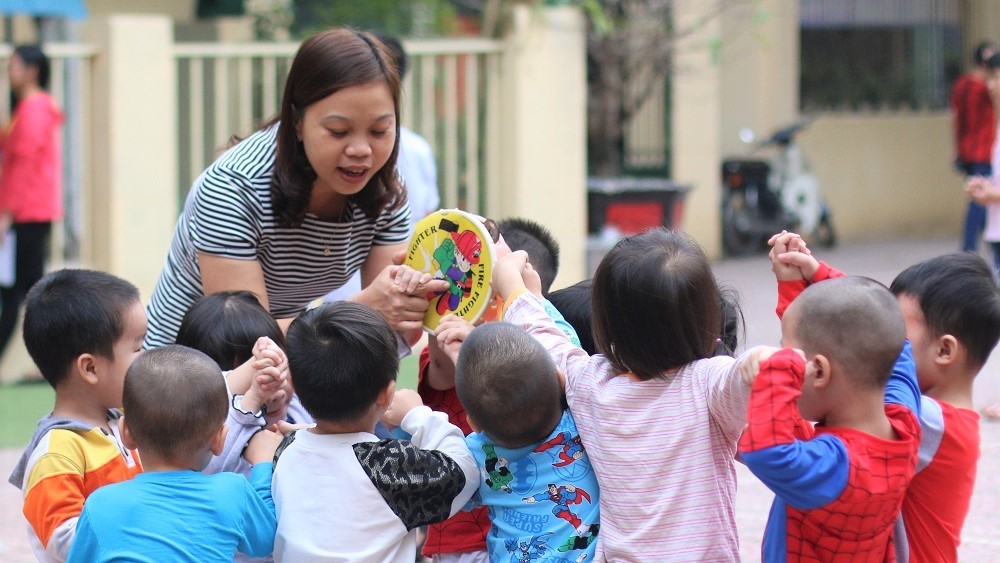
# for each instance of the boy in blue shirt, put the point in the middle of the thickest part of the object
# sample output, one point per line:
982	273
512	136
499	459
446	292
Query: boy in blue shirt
177	405
537	481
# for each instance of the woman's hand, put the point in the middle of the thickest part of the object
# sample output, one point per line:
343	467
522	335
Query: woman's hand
401	303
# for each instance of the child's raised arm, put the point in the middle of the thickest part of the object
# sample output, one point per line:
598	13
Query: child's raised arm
436	463
776	446
795	268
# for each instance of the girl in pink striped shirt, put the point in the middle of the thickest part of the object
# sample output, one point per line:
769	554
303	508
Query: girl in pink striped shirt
659	415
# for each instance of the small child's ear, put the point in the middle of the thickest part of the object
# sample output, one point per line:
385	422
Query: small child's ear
86	368
218	442
384	398
472	424
949	351
819	367
127	439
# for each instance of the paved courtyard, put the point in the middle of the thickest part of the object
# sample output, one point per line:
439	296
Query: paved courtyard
753	280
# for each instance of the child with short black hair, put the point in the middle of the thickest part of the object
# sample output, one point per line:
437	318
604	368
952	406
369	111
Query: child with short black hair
226	326
839	486
176	407
527	446
82	328
343	363
660	416
235	330
951	305
462	538
951	308
538	242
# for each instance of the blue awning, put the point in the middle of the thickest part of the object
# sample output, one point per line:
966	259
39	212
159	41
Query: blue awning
72	9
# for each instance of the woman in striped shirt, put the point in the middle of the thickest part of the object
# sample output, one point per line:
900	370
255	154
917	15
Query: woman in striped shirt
293	210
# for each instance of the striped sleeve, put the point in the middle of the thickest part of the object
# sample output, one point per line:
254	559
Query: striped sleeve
63	470
225	219
728	395
54	495
393	226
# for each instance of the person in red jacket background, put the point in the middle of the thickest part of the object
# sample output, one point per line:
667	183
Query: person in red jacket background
30	178
975	125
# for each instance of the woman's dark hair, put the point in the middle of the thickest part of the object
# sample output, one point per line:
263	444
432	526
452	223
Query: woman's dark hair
33	56
226	325
656	305
325	63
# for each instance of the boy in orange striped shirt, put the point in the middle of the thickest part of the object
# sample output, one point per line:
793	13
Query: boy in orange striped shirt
82	328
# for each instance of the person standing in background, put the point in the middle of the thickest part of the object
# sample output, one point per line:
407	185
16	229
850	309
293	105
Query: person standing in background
975	125
30	178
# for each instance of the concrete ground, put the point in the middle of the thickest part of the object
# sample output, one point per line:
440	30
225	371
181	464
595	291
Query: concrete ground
753	280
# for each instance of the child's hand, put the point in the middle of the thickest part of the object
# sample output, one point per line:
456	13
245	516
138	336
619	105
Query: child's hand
508	274
409	280
262	446
270	378
276	406
285	428
750	366
789	253
403	401
270	367
450	334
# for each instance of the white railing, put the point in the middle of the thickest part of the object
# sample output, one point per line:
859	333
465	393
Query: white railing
450	97
70	82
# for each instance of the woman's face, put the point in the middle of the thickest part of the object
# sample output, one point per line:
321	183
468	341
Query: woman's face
348	136
17	72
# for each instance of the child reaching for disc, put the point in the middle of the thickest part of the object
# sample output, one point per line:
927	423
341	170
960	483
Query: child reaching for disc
659	415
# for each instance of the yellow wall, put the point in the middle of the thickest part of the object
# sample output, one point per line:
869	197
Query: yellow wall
178	10
887	175
759	70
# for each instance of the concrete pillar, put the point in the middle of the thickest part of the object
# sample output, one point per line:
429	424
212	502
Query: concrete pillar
133	204
695	116
760	70
543	148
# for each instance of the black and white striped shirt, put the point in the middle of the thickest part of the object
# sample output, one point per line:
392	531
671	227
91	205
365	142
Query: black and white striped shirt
228	214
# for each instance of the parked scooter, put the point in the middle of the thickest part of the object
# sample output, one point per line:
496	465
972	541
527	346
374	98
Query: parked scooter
762	197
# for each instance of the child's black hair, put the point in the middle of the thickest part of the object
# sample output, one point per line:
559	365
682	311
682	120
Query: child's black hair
508	385
73	312
174	400
341	355
733	324
226	325
853	321
574	302
958	295
656	304
538	242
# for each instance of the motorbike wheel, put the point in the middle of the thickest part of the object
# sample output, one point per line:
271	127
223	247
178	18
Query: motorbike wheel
824	235
738	237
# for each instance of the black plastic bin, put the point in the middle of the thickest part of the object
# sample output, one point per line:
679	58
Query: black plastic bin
611	199
624	206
